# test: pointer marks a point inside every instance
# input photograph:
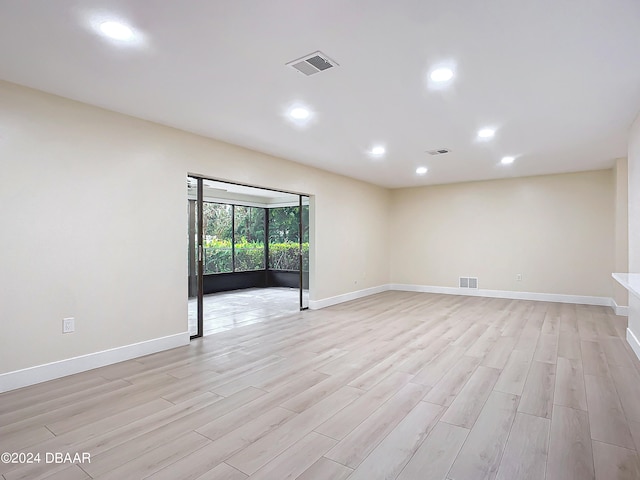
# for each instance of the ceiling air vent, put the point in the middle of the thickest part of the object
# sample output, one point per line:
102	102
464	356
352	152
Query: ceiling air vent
313	63
440	151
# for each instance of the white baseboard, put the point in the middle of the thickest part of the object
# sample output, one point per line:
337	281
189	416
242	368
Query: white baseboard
633	341
539	297
621	310
345	297
82	363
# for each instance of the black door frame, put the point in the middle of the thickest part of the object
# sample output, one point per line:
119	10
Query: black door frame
200	238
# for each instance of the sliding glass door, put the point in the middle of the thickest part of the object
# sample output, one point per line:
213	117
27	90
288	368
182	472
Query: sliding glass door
195	256
304	252
242	237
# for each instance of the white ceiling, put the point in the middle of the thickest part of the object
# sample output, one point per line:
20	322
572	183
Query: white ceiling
559	79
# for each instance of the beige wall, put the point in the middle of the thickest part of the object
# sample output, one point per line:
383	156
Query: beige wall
94	219
621	249
93	212
634	221
557	231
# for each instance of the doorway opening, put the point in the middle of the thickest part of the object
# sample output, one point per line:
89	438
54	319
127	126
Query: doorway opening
248	254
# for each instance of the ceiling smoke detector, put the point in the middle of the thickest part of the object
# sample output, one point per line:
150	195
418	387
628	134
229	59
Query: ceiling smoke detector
440	151
313	63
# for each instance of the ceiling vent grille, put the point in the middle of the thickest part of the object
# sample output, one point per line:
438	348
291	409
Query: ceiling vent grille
440	151
313	63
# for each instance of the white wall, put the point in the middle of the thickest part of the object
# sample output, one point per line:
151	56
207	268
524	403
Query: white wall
556	230
634	223
621	249
94	222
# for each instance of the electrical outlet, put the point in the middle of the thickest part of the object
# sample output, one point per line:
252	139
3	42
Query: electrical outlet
518	277
68	325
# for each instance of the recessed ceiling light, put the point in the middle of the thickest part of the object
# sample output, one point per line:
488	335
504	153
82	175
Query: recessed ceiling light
421	170
378	151
486	133
117	31
443	74
507	160
299	113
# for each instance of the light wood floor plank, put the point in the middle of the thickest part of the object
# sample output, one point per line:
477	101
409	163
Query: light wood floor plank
364	381
262	451
436	455
635	433
419	359
24	438
467	405
141	442
57	388
587	328
527	342
606	418
470	336
100	442
551	324
375	374
569	324
355	447
569	390
325	469
341	424
615	352
537	396
223	472
206	458
605	327
150	462
434	370
291	463
516	321
615	463
446	390
479	458
525	456
500	353
514	374
547	349
244	413
485	343
570	453
390	456
13	403
264	377
70	473
312	395
569	345
54	409
627	382
594	361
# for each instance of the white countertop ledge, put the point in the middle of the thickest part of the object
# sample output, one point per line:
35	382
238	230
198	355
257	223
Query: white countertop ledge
630	281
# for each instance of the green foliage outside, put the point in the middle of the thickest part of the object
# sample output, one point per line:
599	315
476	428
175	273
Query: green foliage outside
249	236
284	256
250	256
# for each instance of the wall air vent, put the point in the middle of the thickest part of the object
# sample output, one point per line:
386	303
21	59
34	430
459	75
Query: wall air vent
440	151
313	63
468	282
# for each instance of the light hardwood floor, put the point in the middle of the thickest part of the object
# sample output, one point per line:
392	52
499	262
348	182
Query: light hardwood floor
394	386
237	308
